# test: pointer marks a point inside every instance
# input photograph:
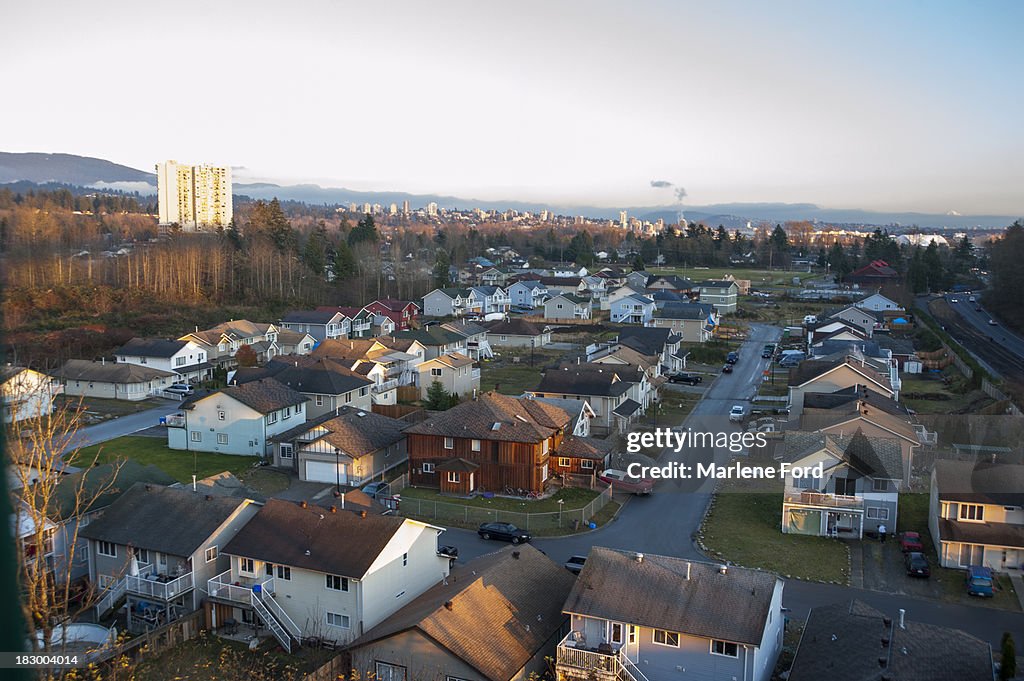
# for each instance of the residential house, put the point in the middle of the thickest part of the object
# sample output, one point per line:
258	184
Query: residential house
436	340
517	333
494	276
859	490
643	616
632	309
360	320
113	380
660	342
476	343
695	322
835	330
349	446
567	306
902	351
382	324
876	302
722	294
580	457
637	280
599	386
157	547
496	619
875	274
487	444
829	375
328	384
320	324
865	321
405	313
398	357
222	341
527	293
326	573
294	343
596	287
490	299
642	371
618	293
27	393
238	419
185	358
671	283
454	371
976	514
860	642
566	285
451	302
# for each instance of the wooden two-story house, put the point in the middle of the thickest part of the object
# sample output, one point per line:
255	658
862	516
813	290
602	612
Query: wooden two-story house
157	546
487	444
306	571
638	617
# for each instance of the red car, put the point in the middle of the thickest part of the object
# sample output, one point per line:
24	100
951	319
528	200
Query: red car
622	482
911	541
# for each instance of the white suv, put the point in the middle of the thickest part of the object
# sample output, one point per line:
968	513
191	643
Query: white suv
737	413
183	389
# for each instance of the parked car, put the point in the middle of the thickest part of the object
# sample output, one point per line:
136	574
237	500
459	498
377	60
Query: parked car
621	482
910	541
737	413
575	564
977	308
376	490
916	564
993	322
732	358
727	369
972	299
685	377
183	389
503	532
979	581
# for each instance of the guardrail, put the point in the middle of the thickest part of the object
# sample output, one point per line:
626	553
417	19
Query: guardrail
279	632
165	591
821	499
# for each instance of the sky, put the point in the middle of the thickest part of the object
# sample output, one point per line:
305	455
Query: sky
873	105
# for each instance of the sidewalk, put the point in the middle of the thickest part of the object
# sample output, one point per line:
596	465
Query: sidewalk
1018	586
856	563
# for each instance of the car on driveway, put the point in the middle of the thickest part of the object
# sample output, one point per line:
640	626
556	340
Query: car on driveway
727	369
910	541
623	482
504	532
575	564
376	490
916	564
179	389
979	581
737	413
685	377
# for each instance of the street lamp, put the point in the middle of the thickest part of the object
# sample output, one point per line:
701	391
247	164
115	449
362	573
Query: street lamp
560	503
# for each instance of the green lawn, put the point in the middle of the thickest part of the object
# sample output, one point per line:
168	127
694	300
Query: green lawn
672	408
509	378
744	527
757	277
152	450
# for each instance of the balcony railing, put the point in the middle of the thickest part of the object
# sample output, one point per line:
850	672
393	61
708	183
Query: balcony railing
589	664
159	587
384	386
808	498
175	421
223	587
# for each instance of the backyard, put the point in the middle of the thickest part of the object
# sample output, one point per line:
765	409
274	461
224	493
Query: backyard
513	373
153	450
757	277
942	393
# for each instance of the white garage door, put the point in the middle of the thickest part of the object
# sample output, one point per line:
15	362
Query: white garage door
321	471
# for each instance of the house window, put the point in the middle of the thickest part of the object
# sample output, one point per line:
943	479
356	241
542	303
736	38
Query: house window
504	338
544	472
724	648
211	554
435	372
105	581
335	619
272	417
972	512
284	572
666	638
336	583
389	672
222	438
348	397
475	445
319	400
196	436
453	476
247	565
846	486
287	412
221	415
879	485
632	634
405	559
587	464
286	451
428	468
564	462
179	361
363	391
449	443
545	446
615	635
106	548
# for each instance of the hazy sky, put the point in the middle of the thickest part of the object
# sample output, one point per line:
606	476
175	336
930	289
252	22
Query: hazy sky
895	106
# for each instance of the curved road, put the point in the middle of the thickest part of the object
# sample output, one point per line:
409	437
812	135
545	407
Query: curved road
666	521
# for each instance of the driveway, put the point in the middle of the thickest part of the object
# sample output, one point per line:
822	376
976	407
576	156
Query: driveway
122	425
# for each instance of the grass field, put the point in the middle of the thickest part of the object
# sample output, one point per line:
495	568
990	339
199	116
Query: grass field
510	378
744	527
152	450
672	409
757	277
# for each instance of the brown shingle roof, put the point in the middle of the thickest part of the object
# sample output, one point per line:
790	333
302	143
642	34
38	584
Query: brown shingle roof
341	543
584	447
518	419
674	594
263	395
109	372
981	482
357	432
504	609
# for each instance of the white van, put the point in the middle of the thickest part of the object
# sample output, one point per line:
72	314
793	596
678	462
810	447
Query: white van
810	319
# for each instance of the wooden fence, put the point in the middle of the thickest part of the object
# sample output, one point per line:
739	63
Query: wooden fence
407	393
405	412
158	640
337	667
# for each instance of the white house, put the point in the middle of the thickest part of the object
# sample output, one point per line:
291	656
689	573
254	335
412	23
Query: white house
632	309
183	357
567	306
527	293
320	324
239	419
222	341
720	293
27	393
879	303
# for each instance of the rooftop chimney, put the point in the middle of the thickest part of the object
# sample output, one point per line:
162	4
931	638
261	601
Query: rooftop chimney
639	557
687	569
515	555
902	613
448	605
362	514
303	504
334	509
723	569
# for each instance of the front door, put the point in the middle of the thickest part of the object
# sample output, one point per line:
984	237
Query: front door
161	563
632	642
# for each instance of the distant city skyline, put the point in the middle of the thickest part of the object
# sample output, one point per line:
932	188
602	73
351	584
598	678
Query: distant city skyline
899	107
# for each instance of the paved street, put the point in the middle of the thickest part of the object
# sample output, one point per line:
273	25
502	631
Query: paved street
666	521
124	425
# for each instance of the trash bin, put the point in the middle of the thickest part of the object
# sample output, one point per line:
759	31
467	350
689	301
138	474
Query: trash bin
257	588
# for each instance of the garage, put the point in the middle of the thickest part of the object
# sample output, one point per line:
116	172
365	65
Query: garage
323	471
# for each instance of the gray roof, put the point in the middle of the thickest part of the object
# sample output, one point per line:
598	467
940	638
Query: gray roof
854	642
583	379
514	327
627	408
171	520
151	347
647	340
847	398
310	316
876	457
109	372
980	482
263	395
100	485
307	376
685	311
678	595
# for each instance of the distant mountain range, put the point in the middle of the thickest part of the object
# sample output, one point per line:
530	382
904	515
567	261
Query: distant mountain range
98	173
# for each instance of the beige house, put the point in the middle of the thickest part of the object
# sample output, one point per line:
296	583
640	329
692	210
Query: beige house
496	618
114	381
331	573
830	375
454	371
